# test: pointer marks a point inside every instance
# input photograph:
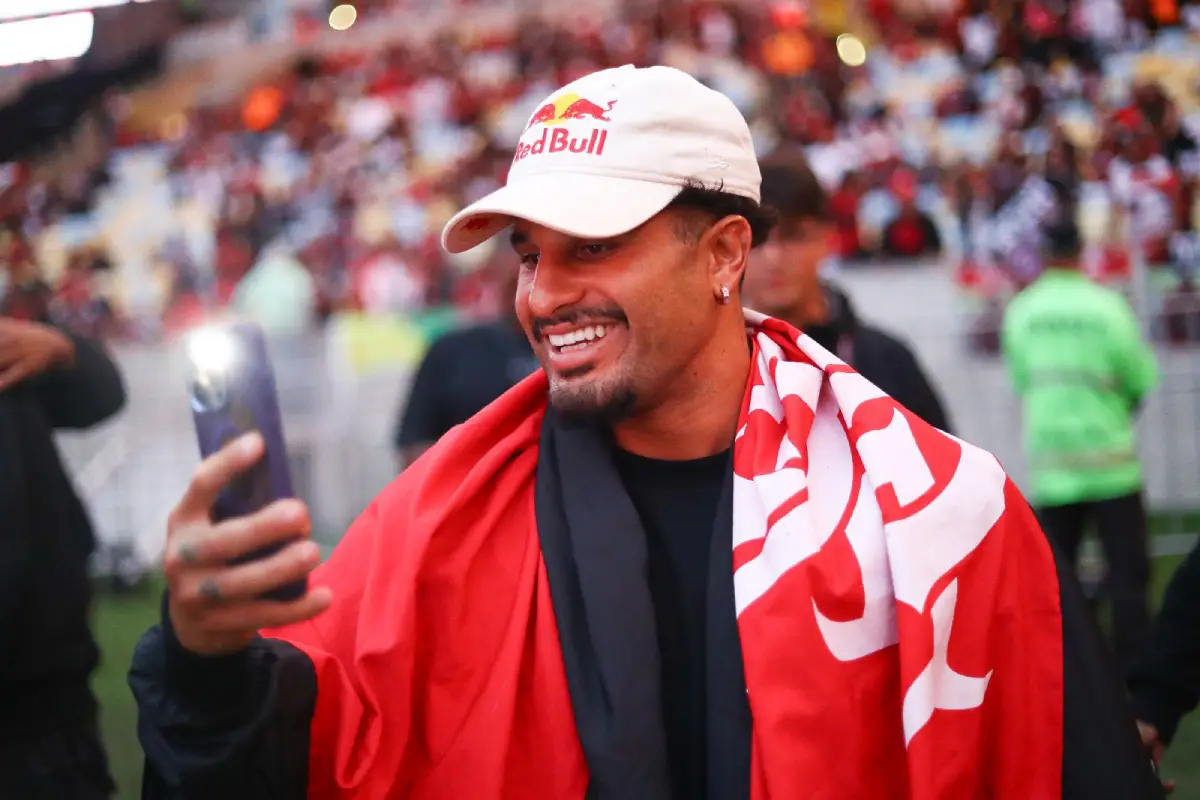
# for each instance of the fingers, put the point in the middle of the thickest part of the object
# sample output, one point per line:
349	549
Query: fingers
200	590
213	473
227	629
1148	732
213	545
269	614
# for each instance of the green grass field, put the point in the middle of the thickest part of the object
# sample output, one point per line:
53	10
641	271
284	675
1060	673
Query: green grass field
121	620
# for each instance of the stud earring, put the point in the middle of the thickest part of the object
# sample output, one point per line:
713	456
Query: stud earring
724	295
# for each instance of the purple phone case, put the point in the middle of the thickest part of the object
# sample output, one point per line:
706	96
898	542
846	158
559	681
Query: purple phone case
242	400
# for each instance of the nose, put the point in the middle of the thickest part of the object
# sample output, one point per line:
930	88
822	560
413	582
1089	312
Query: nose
553	288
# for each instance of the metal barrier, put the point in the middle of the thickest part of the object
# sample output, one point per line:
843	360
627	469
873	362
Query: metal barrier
922	305
338	426
339	422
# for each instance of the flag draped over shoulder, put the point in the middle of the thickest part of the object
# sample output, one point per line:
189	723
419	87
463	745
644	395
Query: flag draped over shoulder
897	605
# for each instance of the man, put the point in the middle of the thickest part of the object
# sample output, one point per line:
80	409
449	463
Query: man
614	582
461	373
913	233
49	743
278	293
1146	187
1165	679
783	282
1082	369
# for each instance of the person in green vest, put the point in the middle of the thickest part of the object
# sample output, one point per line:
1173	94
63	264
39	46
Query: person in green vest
1082	368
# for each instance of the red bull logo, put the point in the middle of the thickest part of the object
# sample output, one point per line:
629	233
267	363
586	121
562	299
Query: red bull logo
557	141
570	106
565	108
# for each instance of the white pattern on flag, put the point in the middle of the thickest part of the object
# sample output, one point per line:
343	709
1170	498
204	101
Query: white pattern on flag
938	685
797	379
851	391
893	451
963	512
803	530
750	522
900	561
876	628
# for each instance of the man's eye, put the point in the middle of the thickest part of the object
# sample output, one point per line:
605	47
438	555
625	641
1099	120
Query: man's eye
594	249
529	260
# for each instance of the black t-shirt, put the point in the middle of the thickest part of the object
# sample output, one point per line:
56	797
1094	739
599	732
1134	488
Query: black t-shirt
462	373
677	502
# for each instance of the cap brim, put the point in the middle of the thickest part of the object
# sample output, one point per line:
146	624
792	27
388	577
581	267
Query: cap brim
582	205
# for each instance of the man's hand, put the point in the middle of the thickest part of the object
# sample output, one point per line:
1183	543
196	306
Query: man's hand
1150	739
29	348
214	606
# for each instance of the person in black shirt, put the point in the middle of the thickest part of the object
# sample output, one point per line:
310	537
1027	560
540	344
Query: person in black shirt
782	281
1165	680
461	373
49	745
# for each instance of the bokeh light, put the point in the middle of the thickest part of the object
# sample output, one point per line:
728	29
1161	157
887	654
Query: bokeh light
851	50
343	17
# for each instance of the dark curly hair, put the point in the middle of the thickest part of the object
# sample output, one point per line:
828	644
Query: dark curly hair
713	203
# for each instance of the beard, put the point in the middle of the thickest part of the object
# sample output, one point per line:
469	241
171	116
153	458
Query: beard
595	402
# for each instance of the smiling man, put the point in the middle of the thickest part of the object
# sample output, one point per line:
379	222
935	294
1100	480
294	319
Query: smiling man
695	556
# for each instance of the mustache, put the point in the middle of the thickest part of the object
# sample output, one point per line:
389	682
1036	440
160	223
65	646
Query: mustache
578	315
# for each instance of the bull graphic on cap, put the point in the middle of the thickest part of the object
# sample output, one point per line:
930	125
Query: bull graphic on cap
580	108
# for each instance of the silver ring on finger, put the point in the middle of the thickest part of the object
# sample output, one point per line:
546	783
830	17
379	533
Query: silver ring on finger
187	553
210	591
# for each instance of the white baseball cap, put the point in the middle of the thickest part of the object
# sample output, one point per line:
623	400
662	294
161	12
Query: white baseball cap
609	151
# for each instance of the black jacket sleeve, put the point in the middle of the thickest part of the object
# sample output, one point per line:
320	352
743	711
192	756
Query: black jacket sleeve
225	727
17	527
83	394
1102	754
1165	681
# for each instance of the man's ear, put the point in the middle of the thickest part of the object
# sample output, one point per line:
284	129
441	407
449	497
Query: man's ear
727	243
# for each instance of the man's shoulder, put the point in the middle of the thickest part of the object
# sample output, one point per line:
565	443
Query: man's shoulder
877	341
1043	291
463	339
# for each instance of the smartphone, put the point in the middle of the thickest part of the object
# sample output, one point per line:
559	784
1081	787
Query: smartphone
232	390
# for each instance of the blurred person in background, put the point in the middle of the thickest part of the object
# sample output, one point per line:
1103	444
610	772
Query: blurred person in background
614	580
49	742
912	234
1165	679
1145	186
784	281
278	292
23	293
465	370
1082	369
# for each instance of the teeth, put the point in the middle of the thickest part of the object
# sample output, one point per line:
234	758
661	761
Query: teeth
577	336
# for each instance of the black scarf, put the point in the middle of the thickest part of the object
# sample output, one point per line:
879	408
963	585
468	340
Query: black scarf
595	551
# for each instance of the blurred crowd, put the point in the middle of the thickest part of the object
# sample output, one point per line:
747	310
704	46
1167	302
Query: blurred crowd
942	130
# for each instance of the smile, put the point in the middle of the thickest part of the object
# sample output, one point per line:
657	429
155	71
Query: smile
571	352
578	339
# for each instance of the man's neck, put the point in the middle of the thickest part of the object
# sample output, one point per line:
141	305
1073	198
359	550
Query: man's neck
702	416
